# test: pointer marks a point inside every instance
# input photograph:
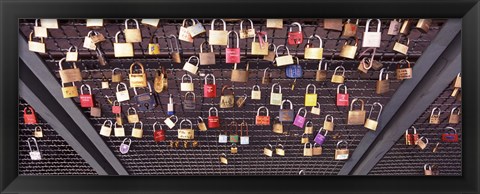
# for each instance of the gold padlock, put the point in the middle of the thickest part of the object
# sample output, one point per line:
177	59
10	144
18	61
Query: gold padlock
275	23
153	46
239	75
206	58
201	124
174	52
404	73
400	47
122	49
227	100
159	82
311	98
366	63
247	33
309	128
350	29
271	54
280	150
307	151
38	133
356	117
196	29
333	24
137	80
241	101
69	75
454	117
317	150
405	29
370	123
338	79
267	78
342	154
304	139
132	118
38	47
218	37
423	25
349	51
435	118
328	124
260	47
186	133
421	143
116	77
137	132
277	126
458	81
311	52
69	91
118	119
267	151
383	86
223	159
233	149
321	75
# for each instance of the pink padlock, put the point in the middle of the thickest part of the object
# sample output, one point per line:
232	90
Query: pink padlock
342	99
300	120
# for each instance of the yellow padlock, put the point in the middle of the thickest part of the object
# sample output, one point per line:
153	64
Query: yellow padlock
311	98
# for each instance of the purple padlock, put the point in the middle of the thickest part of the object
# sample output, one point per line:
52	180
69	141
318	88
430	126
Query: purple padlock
299	120
124	147
319	138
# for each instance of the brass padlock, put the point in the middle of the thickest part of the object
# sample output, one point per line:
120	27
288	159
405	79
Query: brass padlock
405	29
377	65
400	47
349	51
342	154
370	123
316	110
223	159
308	127
383	85
366	63
338	79
116	77
454	117
122	49
321	75
132	118
159	81
307	151
38	47
153	46
421	143
311	52
260	47
137	132
394	27
38	133
201	124
423	25
333	24
69	75
356	117
277	126
267	77
404	73
247	33
218	37
328	124
186	133
241	101
69	91
233	148
207	58
239	75
196	29
174	52
458	81
276	98
227	100
271	54
350	29
275	23
304	139
137	79
283	60
280	150
435	118
267	151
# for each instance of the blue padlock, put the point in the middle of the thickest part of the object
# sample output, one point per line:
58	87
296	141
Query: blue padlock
294	71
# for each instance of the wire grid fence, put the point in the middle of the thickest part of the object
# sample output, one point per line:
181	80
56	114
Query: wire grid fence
149	158
409	160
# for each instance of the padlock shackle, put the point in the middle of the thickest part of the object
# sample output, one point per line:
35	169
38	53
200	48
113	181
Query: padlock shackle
170	99
329	116
187	120
451	128
31	37
104	124
116	36
194	57
314	88
367	27
403	60
427	167
92	31
186	94
320	65
309	122
169	41
295	23
185	20
29	108
315	36
246	68
201	47
433	111
269	145
38	128
279	87
36	22
342	141
73	47
263	107
123	84
241	24
426	139
209	75
135	124
305	145
187	76
149	88
115	125
276	51
201	119
414	130
233	124
212	25
256	86
381	74
210	111
265	71
286	100
113	70
129	141
134	110
357	99
136	23
155	124
453	110
356	23
320	130
88	87
339	67
113	104
60	63
304	109
241	128
279	145
34	141
400	39
344	88
173	116
137	63
352	38
237	38
379	112
226	87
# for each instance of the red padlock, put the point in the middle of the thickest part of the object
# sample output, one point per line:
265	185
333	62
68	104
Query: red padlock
86	100
232	55
209	90
295	38
29	118
213	121
342	99
116	108
158	135
450	137
411	138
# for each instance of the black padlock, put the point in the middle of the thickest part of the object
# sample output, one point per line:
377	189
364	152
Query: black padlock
145	101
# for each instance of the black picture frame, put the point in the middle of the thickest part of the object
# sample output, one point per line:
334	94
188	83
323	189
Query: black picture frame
11	11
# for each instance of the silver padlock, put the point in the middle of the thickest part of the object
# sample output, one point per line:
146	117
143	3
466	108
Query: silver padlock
34	154
122	95
186	86
190	67
256	94
372	39
168	121
106	130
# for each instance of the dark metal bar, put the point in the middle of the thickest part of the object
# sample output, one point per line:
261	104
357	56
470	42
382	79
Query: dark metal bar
40	70
446	35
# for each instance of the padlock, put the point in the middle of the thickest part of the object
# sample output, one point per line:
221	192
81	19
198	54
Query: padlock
232	54
38	47
186	133
96	111
174	52
158	135
29	117
286	115
88	41
201	124
239	75
145	101
260	47
300	120
338	79
137	79
206	58
118	131
86	100
356	117
277	126
294	71
116	77
186	86
151	22
313	52
275	23
316	110
241	101
295	38
267	77
370	123
304	139
333	24
116	108
96	37
458	81
160	80
189	103
124	49
262	119
168	121
34	153
394	27
222	138
366	63
350	29
400	47
69	91
405	29
383	86
209	90
430	170
321	75
106	130
423	25
421	144
256	93
196	29
267	151
319	138
72	54
233	148
247	33
132	118
450	137
137	132
69	75
124	148
411	138
308	151
279	150
309	127
244	139
404	73
191	68
227	100
311	98
122	95
317	151
223	159
283	60
219	37
213	120
342	154
276	98
132	35
342	99
372	39
328	124
49	23
435	118
40	31
454	118
233	138
348	51
118	118
271	54
38	132
153	47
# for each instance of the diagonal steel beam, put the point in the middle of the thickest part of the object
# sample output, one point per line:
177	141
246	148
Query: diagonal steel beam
432	85
442	40
40	70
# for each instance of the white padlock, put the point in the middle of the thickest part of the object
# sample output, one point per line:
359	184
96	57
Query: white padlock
372	39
